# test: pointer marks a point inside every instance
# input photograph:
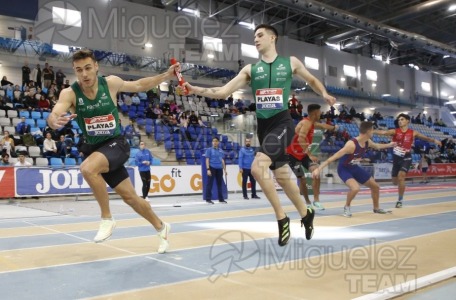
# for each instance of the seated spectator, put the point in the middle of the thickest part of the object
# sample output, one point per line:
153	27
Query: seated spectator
149	112
127	100
43	104
5	84
53	101
30	102
52	91
7	143
172	107
21	161
17	94
166	106
135	99
49	147
3	105
62	146
38	137
158	111
5	160
183	120
132	135
169	119
22	127
194	120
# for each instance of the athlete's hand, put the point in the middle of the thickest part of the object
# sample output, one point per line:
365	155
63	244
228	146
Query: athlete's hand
392	144
190	88
313	158
63	119
316	173
329	99
438	143
173	68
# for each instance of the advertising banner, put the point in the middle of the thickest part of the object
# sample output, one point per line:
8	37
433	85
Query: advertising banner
435	170
7	182
50	182
383	170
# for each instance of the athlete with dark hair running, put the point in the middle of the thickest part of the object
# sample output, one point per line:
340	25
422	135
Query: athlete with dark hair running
402	155
270	79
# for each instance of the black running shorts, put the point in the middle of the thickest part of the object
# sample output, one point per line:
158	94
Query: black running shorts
299	167
117	152
401	164
275	134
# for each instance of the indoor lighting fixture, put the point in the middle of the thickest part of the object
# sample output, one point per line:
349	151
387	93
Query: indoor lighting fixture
248	25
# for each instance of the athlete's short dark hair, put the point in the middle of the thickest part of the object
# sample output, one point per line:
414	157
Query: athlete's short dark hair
83	54
365	127
312	107
270	28
405	116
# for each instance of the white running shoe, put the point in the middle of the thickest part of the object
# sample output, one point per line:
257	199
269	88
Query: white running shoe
105	230
163	238
347	212
318	205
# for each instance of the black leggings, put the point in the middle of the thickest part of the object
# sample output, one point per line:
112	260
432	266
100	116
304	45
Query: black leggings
145	178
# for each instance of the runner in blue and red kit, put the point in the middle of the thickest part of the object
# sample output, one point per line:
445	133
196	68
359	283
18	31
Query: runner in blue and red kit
349	170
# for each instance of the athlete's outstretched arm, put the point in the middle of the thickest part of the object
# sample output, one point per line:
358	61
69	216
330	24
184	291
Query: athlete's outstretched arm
385	132
117	84
349	148
425	138
59	115
376	146
300	70
224	91
326	126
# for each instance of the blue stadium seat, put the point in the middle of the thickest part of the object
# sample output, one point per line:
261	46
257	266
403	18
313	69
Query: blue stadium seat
56	162
36	115
69	161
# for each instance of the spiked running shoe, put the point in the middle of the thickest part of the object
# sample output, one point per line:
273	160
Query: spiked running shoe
381	211
307	222
399	204
284	231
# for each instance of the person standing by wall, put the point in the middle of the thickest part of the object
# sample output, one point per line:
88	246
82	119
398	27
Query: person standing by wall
143	160
215	165
246	157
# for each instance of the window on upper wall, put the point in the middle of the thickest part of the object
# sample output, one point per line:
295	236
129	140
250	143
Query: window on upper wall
371	75
426	86
311	63
349	71
68	17
213	44
249	51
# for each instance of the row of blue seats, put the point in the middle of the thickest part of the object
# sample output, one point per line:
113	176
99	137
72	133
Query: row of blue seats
35	115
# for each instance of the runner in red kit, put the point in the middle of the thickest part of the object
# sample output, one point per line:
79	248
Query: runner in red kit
402	157
300	156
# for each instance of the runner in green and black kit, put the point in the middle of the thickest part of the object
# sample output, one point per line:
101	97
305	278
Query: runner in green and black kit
271	83
99	123
92	102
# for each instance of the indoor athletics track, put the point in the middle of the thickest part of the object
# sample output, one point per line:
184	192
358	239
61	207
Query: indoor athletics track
230	251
